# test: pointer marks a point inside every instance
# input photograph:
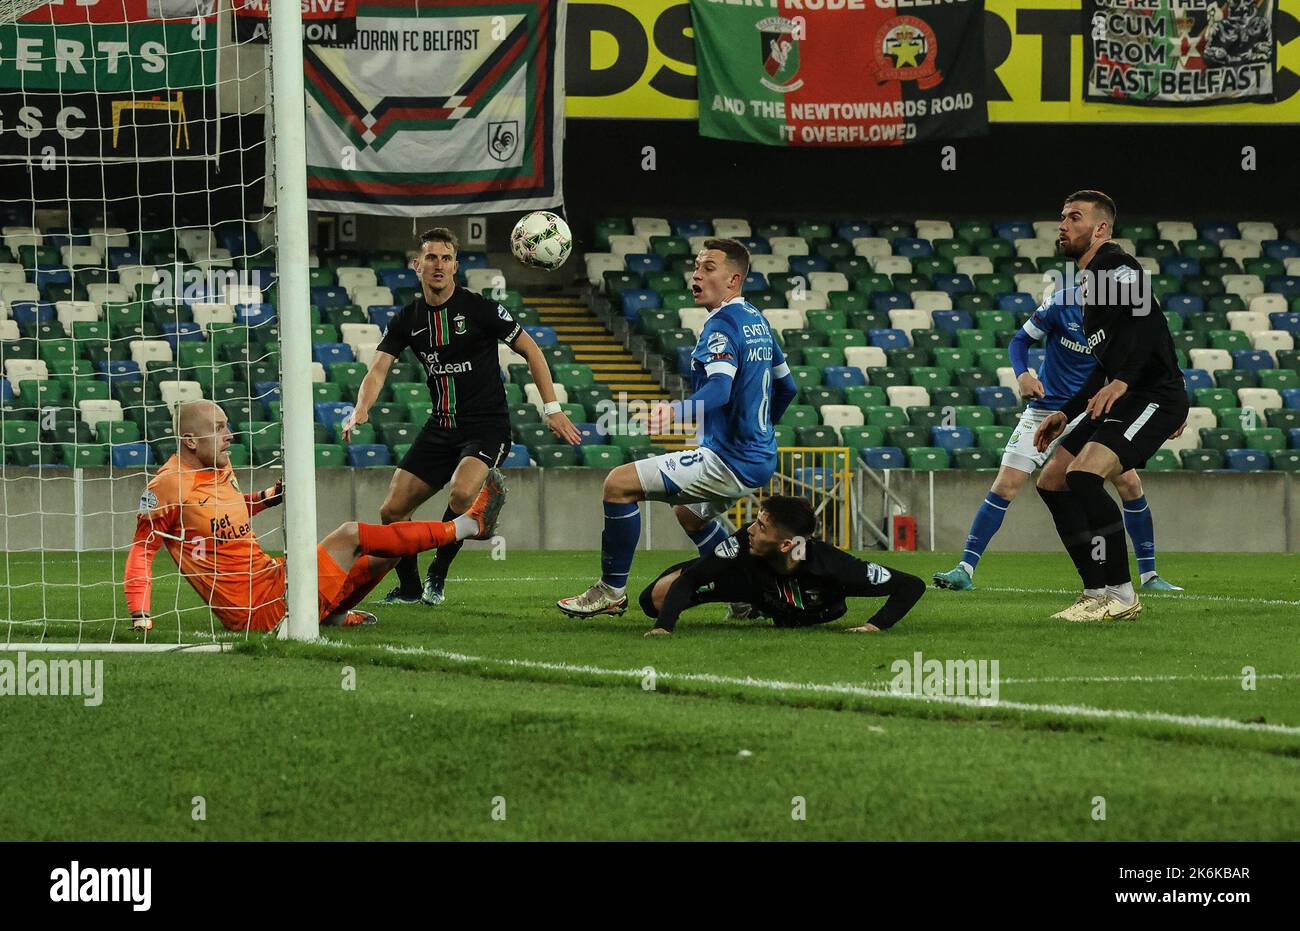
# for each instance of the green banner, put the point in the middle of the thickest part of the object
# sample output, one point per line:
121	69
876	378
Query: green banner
108	57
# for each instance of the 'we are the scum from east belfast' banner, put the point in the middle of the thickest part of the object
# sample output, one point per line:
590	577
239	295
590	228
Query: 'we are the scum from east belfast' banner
840	72
433	109
1179	52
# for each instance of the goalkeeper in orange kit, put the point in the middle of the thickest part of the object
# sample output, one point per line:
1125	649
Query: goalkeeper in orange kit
194	508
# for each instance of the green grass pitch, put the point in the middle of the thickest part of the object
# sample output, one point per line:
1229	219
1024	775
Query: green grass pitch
494	717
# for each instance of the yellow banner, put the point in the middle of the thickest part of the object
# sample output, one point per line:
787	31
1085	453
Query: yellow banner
636	59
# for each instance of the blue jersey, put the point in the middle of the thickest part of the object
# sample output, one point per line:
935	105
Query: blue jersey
1068	363
736	340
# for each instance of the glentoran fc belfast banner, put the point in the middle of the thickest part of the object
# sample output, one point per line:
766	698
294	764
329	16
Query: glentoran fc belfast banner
840	72
1179	52
436	107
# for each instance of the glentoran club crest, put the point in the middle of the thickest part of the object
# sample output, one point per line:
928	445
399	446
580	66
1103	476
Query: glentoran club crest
906	50
779	52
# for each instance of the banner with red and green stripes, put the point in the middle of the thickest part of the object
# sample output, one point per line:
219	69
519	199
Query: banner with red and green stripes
840	72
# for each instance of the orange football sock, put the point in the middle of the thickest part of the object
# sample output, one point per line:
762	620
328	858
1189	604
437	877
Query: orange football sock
365	575
405	539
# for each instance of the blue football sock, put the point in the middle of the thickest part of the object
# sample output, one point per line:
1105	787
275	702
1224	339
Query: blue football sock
708	537
986	523
1141	530
618	542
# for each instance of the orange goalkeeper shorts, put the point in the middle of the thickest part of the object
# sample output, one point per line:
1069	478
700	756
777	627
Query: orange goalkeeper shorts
333	586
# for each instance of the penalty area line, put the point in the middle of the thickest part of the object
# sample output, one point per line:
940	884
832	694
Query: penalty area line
832	688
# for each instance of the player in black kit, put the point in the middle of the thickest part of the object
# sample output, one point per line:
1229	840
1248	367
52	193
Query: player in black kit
1135	400
454	333
775	565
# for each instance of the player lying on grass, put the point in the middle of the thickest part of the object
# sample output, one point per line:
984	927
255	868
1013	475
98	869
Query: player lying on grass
742	385
775	565
1067	365
1142	403
195	509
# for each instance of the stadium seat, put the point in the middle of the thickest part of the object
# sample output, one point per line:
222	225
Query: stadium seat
131	455
952	438
1201	459
1246	460
555	455
1287	460
366	455
883	457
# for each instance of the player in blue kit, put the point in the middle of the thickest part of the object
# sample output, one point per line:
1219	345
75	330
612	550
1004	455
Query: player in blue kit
1066	366
741	386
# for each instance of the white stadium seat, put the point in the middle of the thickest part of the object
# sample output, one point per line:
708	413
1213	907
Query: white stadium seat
104	292
931	300
351	276
534	397
11	273
807	300
973	265
1268	304
909	319
788	245
1176	230
150	350
104	238
359	334
622	245
318	375
1272	340
906	396
1036	284
842	415
870	247
697	246
645	227
865	357
693	319
1034	249
485	279
779	319
1292	265
1239	249
506	357
598	263
374	295
1257	231
933	229
1007	378
26	291
1049	230
1197	418
15	237
1149	265
178	392
1246	286
1260	399
196	241
828	281
365	353
891	265
21	370
769	264
1212	360
207	314
731	228
93	412
8	328
133	276
1248	321
70	312
74	256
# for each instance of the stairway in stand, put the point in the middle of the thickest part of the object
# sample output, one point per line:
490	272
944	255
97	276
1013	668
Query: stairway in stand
577	327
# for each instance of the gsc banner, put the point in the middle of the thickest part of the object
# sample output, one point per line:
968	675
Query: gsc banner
636	59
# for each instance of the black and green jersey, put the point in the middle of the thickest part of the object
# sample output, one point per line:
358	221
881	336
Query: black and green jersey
456	342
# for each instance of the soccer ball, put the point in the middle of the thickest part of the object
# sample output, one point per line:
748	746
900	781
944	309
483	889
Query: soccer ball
542	240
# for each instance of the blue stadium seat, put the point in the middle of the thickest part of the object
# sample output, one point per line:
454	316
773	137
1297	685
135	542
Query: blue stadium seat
255	315
1014	229
849	230
329	353
754	281
365	455
643	263
1280	249
1293	438
692	227
330	297
1251	360
332	413
1195	379
950	321
883	457
1179	266
1217	230
885	301
543	335
756	245
684	359
1184	304
996	397
122	371
1038	355
810	479
45	275
129	455
174	333
26	313
1290	322
122	255
843	376
468	260
636	300
1246	460
1291	397
888	339
590	435
953	284
1286	285
804	264
381	314
951	438
395	278
1017	303
517	458
268	392
6	390
912	248
60	236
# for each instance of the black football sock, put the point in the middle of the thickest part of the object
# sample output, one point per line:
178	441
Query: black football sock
445	554
1072	525
1104	520
408	575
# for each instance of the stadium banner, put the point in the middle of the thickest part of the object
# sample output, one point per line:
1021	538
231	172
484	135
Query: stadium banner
324	22
635	59
1178	52
112	80
845	73
434	107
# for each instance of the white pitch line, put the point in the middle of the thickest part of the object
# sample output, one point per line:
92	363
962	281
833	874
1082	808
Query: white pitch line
1173	596
880	683
778	685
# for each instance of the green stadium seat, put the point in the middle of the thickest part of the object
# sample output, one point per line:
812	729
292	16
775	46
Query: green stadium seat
800	415
816	436
330	456
1201	459
1220	438
865	397
927	458
975	458
84	457
556	455
1278	379
603	457
1214	398
931	378
112	432
820	397
1286	460
992	437
1268	439
973	416
1163	460
907	437
862	437
886	417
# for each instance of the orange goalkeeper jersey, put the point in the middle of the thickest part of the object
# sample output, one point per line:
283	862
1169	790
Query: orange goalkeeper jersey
203	520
